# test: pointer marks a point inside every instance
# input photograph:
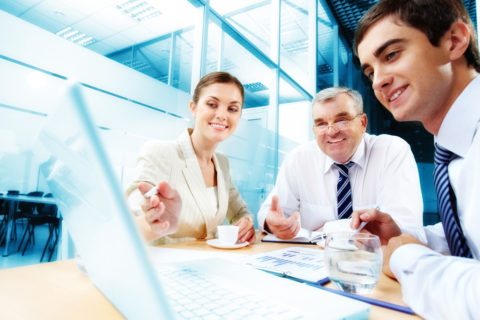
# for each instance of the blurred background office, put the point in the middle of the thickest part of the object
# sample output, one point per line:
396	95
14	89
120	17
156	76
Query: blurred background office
138	61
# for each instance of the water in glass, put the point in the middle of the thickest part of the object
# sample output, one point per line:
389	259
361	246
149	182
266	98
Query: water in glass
354	262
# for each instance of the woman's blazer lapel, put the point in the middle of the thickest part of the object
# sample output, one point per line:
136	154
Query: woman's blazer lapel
194	179
222	184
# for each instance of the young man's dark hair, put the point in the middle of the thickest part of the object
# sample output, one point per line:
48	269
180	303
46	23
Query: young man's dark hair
432	17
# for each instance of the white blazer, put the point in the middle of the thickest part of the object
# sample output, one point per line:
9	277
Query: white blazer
176	163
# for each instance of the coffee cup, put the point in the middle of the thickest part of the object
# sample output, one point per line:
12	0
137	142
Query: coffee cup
227	235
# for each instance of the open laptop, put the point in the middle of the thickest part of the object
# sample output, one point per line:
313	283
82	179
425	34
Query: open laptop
80	176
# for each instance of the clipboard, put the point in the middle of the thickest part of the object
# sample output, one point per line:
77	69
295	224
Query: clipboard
299	263
287	262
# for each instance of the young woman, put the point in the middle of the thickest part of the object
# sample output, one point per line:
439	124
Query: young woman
195	193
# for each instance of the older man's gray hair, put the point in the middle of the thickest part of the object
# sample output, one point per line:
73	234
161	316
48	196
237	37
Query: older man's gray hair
330	93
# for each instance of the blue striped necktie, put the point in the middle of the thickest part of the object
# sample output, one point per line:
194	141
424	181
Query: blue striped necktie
447	204
344	191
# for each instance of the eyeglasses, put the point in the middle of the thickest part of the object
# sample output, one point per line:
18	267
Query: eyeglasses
338	124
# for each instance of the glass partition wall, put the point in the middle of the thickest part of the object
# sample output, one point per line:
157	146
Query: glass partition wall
138	62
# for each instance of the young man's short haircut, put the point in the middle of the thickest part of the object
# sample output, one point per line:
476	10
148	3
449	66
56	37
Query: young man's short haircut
432	17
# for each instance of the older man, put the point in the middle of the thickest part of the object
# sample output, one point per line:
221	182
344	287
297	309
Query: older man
345	169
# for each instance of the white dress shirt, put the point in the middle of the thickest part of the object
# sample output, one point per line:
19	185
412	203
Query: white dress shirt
384	175
447	287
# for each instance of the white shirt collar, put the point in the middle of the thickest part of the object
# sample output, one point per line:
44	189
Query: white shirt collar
460	124
358	157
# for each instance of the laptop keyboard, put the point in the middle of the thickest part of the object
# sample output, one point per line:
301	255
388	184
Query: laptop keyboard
194	294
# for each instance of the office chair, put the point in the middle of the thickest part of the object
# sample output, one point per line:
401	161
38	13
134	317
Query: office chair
4	215
4	208
47	214
25	209
54	223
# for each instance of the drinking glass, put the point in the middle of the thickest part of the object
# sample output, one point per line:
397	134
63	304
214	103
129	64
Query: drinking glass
353	261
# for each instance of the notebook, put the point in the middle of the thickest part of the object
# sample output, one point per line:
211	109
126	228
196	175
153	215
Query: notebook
303	236
91	201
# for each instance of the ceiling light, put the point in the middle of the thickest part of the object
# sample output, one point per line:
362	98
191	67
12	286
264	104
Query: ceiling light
86	41
75	36
255	87
63	31
138	10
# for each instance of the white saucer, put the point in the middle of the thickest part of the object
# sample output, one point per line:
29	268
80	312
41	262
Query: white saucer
217	244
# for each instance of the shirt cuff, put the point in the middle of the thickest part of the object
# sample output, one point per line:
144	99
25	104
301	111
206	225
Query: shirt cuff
404	259
417	231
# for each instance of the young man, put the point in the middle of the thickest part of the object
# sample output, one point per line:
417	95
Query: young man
422	59
344	168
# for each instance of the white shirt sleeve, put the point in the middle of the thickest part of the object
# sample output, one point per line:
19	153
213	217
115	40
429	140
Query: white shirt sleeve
286	190
436	238
400	194
263	211
433	236
437	286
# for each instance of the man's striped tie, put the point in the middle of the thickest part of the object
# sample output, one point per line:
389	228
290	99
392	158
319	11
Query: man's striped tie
344	191
447	204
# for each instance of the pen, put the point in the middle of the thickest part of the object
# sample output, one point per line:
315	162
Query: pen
150	192
373	301
359	227
363	224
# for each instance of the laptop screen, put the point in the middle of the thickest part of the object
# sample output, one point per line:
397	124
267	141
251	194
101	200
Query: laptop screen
78	173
